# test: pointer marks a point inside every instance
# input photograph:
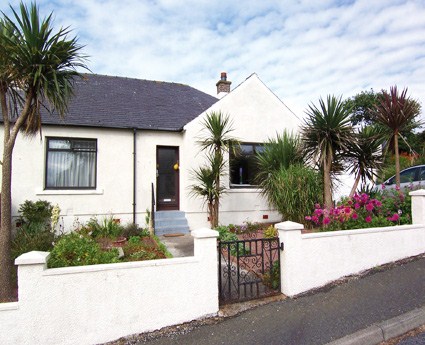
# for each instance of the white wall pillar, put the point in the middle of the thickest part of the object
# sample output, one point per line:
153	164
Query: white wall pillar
30	268
418	206
290	235
205	248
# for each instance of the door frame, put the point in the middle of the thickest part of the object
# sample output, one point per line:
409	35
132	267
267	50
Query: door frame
175	206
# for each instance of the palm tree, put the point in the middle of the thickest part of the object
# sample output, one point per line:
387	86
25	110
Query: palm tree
278	152
396	112
37	70
326	133
215	140
206	188
365	155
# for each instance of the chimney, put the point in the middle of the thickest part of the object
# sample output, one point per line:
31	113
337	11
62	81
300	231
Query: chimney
223	86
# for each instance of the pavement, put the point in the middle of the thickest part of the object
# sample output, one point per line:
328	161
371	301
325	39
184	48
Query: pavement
364	310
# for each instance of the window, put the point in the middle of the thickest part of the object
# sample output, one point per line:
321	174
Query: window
243	167
71	163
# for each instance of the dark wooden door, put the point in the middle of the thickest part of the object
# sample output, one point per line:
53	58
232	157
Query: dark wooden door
167	178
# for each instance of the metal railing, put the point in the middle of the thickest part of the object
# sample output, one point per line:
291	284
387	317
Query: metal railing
153	209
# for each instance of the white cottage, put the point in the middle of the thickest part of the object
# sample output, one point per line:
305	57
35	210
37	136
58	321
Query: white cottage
127	141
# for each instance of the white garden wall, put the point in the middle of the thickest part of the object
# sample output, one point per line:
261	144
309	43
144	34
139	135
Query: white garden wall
99	303
313	260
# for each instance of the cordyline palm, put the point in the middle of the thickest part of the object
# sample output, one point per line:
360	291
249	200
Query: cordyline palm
396	111
365	155
278	152
326	133
37	70
205	186
216	140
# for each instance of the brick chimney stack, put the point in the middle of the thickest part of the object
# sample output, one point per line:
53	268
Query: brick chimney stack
223	86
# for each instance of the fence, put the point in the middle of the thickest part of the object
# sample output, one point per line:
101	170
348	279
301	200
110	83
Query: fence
99	303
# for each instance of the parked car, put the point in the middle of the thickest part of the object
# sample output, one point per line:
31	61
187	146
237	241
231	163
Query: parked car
413	176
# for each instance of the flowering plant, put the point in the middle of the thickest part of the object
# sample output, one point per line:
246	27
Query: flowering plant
363	211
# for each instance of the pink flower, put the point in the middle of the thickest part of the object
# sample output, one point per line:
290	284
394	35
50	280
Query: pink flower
350	202
397	188
326	221
356	205
307	218
317	206
369	207
395	217
368	219
382	186
377	203
354	216
315	219
347	209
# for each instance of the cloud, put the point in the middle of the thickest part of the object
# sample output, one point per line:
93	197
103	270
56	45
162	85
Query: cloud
301	49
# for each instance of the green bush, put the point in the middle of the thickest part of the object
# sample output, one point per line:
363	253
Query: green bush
293	191
37	214
74	249
270	232
35	231
108	227
237	248
24	242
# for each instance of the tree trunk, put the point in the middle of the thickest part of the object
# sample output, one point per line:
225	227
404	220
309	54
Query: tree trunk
327	185
6	286
356	183
397	160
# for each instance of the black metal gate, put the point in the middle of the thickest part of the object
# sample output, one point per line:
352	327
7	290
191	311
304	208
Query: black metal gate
248	269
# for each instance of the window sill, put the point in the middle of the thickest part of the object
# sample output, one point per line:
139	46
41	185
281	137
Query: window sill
69	192
244	188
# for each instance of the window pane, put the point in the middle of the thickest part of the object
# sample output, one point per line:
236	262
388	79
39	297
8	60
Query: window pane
87	145
243	167
59	144
71	168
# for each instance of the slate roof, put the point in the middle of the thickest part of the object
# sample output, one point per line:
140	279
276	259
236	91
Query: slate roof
117	102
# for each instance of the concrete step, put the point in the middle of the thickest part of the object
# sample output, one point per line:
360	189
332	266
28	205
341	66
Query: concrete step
169	222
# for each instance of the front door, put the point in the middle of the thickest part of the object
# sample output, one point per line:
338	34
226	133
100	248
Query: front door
167	178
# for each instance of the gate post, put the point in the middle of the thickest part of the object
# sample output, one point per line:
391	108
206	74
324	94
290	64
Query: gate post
290	235
418	206
205	250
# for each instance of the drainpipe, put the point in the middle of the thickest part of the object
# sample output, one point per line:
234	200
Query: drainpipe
134	174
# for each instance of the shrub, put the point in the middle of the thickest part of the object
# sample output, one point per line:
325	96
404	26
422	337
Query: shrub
74	249
270	232
35	231
108	227
237	248
37	214
293	191
130	230
271	278
386	209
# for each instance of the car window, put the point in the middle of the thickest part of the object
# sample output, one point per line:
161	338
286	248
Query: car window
422	174
408	175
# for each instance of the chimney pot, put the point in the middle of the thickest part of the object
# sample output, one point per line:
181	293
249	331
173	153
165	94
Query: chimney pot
223	86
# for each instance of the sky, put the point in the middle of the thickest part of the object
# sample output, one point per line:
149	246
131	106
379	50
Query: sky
302	50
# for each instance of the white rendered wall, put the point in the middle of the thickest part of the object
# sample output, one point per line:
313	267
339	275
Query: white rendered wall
257	114
313	260
113	194
100	303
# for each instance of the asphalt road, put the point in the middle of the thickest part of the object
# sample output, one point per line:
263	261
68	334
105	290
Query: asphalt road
415	340
321	317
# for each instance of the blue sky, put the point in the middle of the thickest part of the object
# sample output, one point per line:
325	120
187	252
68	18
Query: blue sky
301	49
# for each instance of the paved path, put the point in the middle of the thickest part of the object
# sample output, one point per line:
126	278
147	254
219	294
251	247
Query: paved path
321	317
